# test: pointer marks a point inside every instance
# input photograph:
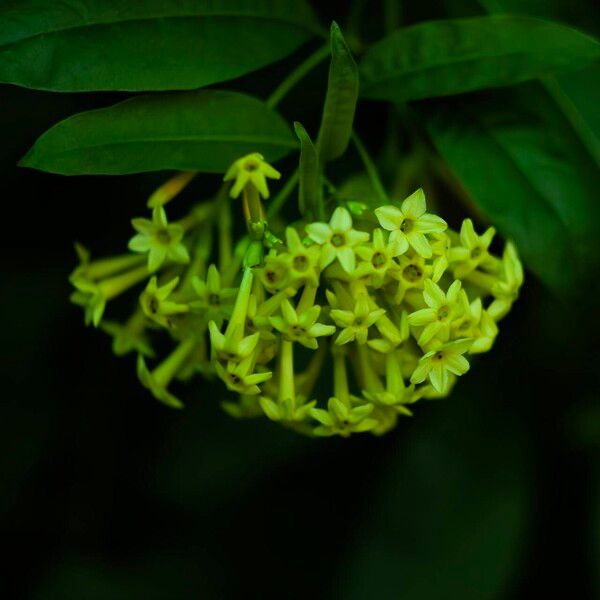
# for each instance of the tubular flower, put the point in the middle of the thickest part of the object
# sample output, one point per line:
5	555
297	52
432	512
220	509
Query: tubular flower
382	312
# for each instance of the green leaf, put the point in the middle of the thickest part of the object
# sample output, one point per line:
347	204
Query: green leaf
309	196
203	130
528	172
448	520
150	45
340	101
440	58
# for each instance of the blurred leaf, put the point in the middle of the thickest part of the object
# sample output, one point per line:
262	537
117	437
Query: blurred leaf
440	58
196	131
150	45
530	175
309	189
449	519
340	102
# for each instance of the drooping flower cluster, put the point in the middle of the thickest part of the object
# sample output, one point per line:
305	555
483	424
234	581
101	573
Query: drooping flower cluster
337	328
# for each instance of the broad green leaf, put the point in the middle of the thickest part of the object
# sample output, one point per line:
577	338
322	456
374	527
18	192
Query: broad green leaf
340	101
150	45
309	196
440	58
448	520
203	130
530	175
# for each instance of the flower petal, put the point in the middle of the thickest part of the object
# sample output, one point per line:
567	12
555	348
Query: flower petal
319	232
414	206
420	244
341	219
389	217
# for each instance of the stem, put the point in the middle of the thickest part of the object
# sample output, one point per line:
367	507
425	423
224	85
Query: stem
307	299
225	244
340	378
370	169
296	75
238	317
282	195
113	287
168	190
163	374
109	266
370	378
286	375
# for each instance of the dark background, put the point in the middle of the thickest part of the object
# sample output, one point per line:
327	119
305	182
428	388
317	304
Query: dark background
491	493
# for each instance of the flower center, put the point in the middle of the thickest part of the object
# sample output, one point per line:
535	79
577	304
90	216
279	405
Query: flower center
476	252
438	356
297	331
300	263
235	379
338	239
153	305
407	225
251	165
443	313
214	299
412	273
378	260
163	236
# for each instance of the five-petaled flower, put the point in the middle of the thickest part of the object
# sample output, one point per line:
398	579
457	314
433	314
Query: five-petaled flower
251	169
409	223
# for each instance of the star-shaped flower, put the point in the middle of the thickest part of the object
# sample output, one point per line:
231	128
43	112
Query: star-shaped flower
252	169
129	336
378	259
410	223
355	323
300	262
161	240
411	274
443	309
439	363
302	328
506	290
339	419
475	323
476	249
214	302
232	345
155	305
239	376
337	239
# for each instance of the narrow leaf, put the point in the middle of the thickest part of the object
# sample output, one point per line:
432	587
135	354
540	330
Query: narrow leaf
529	174
340	102
309	196
150	45
440	58
203	130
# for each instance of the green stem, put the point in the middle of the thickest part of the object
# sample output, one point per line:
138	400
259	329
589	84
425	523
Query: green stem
282	195
113	287
296	75
286	375
105	267
167	369
340	378
225	243
240	309
370	169
307	299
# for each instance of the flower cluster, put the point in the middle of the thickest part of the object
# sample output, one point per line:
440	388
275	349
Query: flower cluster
371	316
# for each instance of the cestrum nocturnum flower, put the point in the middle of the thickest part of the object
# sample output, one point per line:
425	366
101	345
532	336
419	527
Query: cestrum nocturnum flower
253	169
337	239
409	224
379	312
159	239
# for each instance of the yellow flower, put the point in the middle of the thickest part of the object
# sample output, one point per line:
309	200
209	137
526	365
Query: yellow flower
337	239
252	169
439	363
410	223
